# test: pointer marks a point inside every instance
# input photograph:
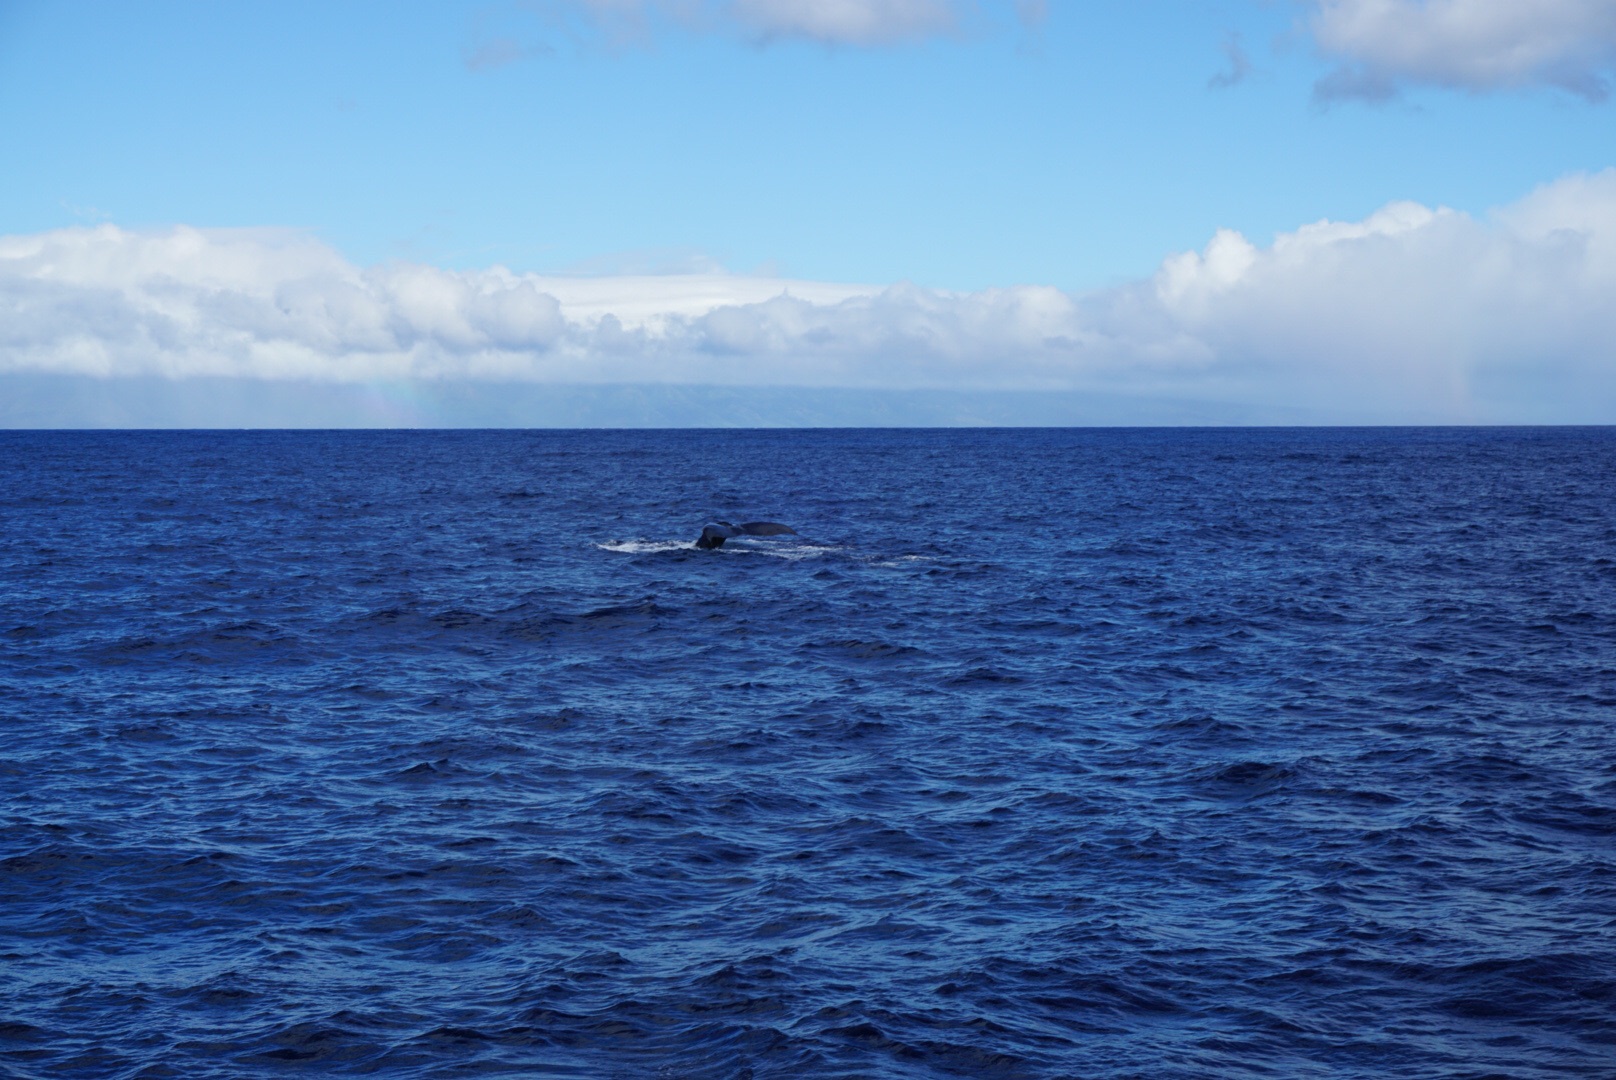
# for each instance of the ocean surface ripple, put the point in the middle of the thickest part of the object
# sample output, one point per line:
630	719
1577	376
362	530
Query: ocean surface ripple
1059	753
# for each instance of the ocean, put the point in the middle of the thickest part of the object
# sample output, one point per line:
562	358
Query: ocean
1088	753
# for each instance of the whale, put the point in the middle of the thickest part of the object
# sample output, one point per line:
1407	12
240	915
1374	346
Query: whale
714	535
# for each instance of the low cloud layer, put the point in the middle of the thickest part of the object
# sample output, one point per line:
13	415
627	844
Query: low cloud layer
1412	310
1475	45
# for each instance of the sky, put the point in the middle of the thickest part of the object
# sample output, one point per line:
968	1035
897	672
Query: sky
705	212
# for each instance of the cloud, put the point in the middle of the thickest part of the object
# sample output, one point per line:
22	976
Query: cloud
1239	64
846	22
500	52
1032	13
1475	45
1413	310
833	23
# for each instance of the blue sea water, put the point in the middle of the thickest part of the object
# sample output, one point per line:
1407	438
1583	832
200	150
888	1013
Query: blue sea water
1057	753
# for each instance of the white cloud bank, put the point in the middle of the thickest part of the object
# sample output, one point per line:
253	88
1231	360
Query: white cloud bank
1410	311
1475	45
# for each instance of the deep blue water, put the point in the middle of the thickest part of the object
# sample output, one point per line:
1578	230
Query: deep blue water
1065	753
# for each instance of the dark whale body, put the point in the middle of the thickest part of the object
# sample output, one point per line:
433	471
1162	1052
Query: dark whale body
713	536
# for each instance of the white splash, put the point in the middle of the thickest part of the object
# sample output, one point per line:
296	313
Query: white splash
641	547
736	546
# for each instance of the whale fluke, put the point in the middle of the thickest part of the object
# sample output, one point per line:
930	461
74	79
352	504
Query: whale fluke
714	535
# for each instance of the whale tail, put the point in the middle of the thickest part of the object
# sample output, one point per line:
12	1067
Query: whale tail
713	536
767	528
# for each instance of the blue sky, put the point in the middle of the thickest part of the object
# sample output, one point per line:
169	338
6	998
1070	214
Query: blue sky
959	148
